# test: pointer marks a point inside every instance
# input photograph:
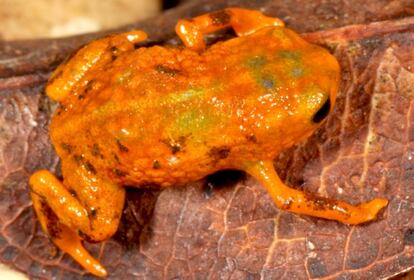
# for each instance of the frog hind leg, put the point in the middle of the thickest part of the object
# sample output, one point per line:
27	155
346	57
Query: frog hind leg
68	221
92	56
243	22
304	203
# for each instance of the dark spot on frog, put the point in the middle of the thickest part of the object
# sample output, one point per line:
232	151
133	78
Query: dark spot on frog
316	268
220	17
119	173
166	70
409	237
221	179
96	151
53	226
90	167
267	82
116	158
121	147
175	149
78	158
92	213
114	52
60	110
88	87
156	164
218	153
175	145
73	193
66	147
251	138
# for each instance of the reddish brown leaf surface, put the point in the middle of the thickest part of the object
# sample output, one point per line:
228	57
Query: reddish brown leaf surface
227	227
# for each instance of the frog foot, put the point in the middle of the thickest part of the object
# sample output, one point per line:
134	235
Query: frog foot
369	210
243	22
305	203
69	217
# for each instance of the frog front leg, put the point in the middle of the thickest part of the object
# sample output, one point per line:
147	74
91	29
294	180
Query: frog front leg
92	56
243	22
83	207
304	203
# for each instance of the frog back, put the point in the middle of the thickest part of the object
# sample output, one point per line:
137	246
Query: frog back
168	112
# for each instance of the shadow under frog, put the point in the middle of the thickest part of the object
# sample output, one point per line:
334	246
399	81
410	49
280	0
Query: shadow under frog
136	220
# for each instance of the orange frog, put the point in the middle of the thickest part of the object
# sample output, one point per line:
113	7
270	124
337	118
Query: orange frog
167	116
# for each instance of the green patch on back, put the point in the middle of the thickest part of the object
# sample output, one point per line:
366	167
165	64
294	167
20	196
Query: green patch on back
257	65
290	55
193	121
189	111
182	96
266	81
293	62
256	62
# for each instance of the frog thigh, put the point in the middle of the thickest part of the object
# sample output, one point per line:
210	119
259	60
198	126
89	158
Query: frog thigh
68	219
92	56
304	203
243	22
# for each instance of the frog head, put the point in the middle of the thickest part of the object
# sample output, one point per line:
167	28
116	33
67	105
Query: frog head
298	91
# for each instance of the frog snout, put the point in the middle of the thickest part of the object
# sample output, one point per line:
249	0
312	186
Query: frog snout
323	111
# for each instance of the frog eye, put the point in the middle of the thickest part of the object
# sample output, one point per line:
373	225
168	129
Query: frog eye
323	111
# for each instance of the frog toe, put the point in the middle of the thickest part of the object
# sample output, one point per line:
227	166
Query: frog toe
371	209
70	243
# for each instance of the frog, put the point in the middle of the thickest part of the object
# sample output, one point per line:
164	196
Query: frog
131	115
